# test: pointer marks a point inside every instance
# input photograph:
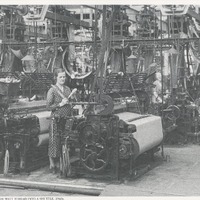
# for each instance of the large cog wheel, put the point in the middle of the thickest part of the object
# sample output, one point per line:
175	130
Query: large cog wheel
94	157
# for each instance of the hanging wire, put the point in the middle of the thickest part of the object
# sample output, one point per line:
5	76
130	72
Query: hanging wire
3	45
11	18
55	41
161	64
94	38
154	42
56	30
11	24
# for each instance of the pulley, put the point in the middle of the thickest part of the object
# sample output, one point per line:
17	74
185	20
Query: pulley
22	10
173	112
65	67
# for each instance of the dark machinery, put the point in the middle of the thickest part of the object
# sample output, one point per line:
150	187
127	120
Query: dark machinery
23	136
109	145
98	143
20	135
110	138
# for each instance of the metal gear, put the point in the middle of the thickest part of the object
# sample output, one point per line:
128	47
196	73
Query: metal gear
94	157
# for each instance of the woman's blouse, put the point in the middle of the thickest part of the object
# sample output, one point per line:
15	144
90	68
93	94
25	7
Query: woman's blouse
53	100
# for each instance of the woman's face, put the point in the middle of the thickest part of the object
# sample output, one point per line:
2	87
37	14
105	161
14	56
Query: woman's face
61	78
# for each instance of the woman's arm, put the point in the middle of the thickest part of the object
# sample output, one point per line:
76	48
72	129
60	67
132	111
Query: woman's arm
51	105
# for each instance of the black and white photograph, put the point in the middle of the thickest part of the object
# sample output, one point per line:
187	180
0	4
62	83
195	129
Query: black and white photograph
99	100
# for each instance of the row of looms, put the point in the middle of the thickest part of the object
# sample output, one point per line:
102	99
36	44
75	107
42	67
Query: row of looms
140	70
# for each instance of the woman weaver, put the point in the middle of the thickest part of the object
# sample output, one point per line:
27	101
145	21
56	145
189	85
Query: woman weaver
58	103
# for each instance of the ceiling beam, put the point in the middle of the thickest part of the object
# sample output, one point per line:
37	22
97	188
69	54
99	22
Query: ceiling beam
145	42
32	34
98	7
68	19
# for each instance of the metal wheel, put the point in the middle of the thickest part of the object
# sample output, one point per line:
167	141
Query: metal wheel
94	157
174	112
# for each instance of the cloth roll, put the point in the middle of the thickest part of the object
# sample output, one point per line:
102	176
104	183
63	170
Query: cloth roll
43	139
44	120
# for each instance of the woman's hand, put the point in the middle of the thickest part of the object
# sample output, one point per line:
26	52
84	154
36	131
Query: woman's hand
63	102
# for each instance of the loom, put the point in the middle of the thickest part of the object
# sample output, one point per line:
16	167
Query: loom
112	136
25	135
111	143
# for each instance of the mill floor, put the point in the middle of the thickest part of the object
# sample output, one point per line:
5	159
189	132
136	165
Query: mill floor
176	175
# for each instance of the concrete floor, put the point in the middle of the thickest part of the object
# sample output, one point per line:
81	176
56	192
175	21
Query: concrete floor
29	192
178	176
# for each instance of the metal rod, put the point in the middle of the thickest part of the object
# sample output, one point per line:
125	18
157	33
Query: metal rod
11	7
84	103
129	41
95	39
161	61
54	187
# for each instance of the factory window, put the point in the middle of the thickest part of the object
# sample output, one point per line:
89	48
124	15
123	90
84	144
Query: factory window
77	16
86	16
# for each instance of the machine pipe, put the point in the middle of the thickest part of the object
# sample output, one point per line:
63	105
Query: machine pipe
54	187
84	103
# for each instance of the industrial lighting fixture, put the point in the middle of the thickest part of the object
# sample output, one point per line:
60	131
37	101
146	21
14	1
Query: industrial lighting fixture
153	64
183	35
28	58
17	53
173	51
141	58
132	56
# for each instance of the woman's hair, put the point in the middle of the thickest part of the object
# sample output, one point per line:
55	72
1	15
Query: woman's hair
56	71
